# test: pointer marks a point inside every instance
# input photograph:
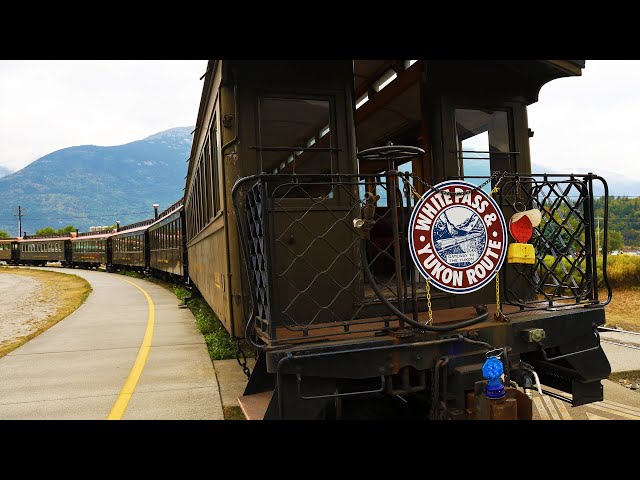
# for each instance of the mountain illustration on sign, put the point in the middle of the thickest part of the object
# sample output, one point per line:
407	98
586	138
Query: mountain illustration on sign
459	236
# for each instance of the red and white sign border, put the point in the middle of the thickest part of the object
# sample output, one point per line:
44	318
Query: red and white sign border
412	248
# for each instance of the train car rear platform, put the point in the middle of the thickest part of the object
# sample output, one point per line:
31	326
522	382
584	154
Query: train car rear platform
128	352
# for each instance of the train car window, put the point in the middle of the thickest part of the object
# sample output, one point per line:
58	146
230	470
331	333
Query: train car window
196	199
174	242
208	183
291	141
213	145
483	143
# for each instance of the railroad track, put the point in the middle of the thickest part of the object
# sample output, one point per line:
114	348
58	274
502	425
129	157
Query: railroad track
620	344
617	330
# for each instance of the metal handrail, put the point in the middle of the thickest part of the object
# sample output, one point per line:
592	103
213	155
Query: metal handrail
575	279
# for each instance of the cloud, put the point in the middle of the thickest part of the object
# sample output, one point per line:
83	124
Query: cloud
49	105
589	123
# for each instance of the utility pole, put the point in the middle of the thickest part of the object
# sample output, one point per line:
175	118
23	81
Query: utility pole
19	220
598	235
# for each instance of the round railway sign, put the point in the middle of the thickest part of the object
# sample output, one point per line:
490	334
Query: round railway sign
458	240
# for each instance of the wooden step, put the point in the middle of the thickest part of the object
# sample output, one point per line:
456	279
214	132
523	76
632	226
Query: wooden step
255	406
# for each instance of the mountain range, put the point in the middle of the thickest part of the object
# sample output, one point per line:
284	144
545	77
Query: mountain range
4	171
619	185
90	185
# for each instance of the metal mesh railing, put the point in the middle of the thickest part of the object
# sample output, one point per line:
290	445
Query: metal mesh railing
302	250
567	268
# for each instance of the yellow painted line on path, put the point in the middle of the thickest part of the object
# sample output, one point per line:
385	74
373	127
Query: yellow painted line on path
117	412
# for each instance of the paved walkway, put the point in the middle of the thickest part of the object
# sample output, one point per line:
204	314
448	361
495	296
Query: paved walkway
93	364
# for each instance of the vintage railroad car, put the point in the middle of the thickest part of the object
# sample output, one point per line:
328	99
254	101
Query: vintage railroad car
130	247
37	250
299	205
167	250
91	249
9	250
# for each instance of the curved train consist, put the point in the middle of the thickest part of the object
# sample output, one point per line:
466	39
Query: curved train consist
155	245
298	222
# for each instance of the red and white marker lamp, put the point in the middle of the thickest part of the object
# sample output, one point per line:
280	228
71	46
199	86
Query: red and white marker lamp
521	228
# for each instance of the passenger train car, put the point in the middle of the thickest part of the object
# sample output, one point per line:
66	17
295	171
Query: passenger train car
354	221
9	250
309	184
90	249
156	245
167	252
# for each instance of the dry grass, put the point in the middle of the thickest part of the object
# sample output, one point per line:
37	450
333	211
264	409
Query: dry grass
233	413
67	292
624	309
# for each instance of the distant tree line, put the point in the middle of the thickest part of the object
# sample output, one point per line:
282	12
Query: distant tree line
624	221
51	231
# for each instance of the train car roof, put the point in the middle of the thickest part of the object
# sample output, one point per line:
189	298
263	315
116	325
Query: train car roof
131	230
92	237
44	239
161	219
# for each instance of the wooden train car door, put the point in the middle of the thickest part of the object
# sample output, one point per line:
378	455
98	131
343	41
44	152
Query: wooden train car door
303	133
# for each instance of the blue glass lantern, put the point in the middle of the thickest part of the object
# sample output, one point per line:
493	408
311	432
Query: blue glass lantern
492	370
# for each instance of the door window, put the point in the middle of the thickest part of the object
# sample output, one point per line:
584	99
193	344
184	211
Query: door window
483	143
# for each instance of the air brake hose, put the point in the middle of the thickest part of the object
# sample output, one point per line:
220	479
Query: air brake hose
431	328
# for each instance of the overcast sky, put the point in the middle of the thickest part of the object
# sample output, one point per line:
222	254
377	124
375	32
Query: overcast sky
49	105
580	123
590	122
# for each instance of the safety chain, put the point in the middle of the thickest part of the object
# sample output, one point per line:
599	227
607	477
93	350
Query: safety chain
498	315
417	195
429	302
243	362
499	175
